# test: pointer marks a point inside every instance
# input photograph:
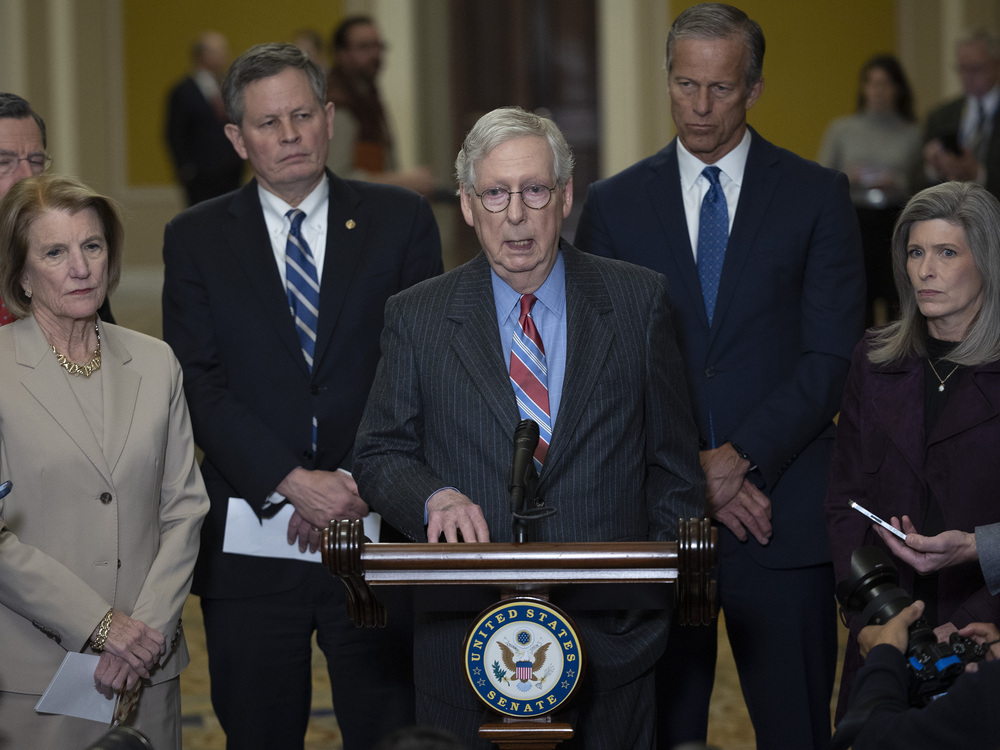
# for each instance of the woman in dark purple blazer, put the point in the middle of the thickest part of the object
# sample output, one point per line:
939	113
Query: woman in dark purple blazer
919	429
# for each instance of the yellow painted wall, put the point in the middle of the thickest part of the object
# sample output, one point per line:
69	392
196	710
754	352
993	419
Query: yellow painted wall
815	49
157	42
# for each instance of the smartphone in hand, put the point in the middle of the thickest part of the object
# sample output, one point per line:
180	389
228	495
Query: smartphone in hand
868	514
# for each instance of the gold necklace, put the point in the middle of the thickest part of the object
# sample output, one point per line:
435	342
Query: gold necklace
940	379
86	370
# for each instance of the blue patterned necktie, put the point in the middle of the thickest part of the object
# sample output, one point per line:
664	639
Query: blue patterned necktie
713	236
302	286
530	376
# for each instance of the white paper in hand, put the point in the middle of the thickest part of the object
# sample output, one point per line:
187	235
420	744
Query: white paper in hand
248	535
72	692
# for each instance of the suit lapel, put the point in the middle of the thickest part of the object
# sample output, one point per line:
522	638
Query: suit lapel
477	342
968	406
663	191
895	385
760	179
588	341
250	250
121	389
48	386
347	226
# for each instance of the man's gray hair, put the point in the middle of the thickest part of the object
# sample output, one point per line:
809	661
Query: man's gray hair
507	124
976	212
264	61
720	21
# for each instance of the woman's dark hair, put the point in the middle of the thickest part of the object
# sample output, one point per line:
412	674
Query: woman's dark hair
903	104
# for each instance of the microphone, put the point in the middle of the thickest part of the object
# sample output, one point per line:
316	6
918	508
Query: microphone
525	442
522	474
524	479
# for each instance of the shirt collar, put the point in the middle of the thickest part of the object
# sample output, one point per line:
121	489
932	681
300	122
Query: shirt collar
551	294
990	100
732	164
206	83
275	209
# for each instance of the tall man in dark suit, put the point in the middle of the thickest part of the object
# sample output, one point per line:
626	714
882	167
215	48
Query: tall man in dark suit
762	252
205	164
276	390
618	450
962	137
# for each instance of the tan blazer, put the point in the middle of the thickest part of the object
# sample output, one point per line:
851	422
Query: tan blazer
85	529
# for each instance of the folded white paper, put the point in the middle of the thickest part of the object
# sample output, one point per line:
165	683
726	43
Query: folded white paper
72	692
248	535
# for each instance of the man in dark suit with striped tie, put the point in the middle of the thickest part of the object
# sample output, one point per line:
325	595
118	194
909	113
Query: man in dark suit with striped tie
585	346
273	300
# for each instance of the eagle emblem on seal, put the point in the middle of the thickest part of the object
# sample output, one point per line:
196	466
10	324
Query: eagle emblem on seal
522	663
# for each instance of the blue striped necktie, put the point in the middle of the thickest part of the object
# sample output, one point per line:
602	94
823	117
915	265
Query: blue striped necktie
302	286
530	376
713	236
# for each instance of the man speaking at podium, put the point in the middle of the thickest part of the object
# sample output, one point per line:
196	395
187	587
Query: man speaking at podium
584	346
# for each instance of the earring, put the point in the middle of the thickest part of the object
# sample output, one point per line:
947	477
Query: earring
27	293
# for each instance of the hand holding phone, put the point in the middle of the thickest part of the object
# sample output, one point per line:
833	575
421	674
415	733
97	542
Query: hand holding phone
868	514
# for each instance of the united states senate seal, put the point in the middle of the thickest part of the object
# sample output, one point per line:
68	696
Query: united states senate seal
524	657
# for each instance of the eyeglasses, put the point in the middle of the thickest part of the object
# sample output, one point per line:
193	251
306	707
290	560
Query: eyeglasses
496	200
38	163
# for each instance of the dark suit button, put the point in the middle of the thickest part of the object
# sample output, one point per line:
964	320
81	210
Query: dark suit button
539	502
105	497
119	564
709	372
307	455
314	390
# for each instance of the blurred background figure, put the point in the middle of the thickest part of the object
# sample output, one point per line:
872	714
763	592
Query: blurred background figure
204	160
962	137
878	147
310	41
362	146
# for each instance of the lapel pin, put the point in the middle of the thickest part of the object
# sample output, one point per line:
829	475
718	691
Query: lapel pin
350	224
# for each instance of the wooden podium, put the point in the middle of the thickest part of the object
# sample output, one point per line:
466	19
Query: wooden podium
614	574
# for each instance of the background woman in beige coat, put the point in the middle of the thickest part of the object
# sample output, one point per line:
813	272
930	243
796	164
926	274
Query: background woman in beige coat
99	535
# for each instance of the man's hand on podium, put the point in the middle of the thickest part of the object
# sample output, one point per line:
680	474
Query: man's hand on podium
451	513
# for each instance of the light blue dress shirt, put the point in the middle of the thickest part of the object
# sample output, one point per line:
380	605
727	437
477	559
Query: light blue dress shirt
549	314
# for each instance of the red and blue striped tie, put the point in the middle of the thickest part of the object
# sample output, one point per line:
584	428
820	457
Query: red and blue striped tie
530	376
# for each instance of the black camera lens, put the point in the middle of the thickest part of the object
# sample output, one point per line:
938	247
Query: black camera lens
872	588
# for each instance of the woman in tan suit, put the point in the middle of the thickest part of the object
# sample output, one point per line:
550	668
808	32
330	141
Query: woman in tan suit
99	535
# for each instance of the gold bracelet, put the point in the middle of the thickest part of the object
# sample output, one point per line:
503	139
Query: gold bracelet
103	630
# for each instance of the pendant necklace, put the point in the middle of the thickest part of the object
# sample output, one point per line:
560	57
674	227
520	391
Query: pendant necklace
940	379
